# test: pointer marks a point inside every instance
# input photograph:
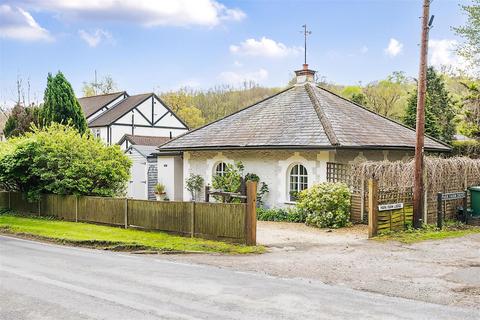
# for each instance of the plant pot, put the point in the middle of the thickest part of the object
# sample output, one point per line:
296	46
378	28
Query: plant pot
160	196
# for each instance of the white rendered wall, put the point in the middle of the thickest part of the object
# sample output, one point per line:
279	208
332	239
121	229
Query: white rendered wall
271	166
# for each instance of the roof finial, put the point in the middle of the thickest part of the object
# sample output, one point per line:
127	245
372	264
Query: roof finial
305	34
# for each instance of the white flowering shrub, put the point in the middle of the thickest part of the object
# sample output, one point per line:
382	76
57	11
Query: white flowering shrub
327	205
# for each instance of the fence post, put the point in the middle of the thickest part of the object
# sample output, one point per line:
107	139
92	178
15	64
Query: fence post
76	208
372	208
192	219
362	198
465	206
9	200
207	193
439	211
40	206
251	214
126	213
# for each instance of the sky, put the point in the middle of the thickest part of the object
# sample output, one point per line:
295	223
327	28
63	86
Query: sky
159	45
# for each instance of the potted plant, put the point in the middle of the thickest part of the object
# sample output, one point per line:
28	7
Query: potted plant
160	193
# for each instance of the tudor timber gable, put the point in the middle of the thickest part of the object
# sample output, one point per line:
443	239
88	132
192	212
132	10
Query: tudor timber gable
116	115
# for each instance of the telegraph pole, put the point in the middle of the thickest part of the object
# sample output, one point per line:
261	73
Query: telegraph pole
420	123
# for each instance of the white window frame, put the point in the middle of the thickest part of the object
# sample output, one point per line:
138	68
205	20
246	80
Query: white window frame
301	182
222	170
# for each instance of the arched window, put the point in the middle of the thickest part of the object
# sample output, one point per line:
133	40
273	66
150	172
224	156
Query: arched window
220	169
298	181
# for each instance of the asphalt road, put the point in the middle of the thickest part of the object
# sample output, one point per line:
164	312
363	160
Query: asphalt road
44	281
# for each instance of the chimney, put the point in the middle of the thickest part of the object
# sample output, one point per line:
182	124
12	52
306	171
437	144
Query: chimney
305	75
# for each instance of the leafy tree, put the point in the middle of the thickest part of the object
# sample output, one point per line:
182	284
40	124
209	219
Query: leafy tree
219	101
470	32
385	96
192	116
61	105
58	160
20	120
355	94
439	108
470	124
106	85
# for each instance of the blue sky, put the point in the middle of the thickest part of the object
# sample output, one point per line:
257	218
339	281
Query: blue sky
164	45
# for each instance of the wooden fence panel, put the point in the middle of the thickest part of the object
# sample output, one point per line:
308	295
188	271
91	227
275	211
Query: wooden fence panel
3	200
103	210
19	203
220	220
169	216
59	206
355	208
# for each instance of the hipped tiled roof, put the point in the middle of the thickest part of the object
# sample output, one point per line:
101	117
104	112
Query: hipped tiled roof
302	116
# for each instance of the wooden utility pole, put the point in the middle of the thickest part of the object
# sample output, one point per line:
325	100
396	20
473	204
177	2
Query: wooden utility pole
420	125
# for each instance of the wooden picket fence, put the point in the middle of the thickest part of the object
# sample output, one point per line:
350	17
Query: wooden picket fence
233	222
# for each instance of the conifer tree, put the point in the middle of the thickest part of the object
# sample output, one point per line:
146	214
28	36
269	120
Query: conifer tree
439	109
61	105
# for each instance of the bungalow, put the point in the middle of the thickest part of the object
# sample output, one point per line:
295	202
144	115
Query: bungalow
289	138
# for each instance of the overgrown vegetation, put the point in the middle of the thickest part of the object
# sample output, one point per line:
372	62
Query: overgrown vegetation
90	235
327	205
452	229
59	160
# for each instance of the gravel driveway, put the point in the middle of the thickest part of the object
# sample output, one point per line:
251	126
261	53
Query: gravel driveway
444	272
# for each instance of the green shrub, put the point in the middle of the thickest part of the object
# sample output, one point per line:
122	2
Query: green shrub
59	160
289	214
468	148
327	205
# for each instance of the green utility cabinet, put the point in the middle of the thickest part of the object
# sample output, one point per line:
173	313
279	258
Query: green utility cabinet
475	198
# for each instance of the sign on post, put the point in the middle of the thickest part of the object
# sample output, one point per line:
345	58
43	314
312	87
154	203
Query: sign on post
390	206
446	197
453	195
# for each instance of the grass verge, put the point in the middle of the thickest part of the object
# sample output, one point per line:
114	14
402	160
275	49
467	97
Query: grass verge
430	232
111	238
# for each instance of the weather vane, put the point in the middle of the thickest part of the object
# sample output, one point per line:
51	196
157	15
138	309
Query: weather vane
305	34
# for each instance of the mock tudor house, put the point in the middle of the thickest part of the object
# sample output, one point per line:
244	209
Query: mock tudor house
289	138
139	124
111	116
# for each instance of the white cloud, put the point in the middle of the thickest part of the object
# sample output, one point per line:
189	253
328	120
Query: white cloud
442	53
264	47
237	63
16	23
237	78
364	49
394	48
93	39
145	12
